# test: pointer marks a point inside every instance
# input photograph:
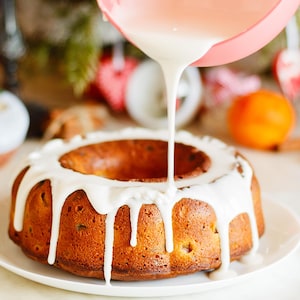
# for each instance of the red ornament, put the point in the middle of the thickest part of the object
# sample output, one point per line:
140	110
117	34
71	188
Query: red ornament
286	70
111	80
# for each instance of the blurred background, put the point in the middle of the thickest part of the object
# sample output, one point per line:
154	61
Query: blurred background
58	53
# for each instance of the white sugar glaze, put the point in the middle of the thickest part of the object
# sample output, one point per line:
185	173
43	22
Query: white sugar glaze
223	187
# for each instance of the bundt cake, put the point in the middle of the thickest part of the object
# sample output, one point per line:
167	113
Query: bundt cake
99	206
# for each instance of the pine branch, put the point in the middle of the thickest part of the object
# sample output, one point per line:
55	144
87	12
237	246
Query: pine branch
81	55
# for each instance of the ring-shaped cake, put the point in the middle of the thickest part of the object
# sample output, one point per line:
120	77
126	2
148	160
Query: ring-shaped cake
100	206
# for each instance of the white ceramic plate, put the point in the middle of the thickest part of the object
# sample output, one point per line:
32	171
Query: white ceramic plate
281	238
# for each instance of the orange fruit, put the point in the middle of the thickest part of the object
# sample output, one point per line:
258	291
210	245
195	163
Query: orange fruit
262	119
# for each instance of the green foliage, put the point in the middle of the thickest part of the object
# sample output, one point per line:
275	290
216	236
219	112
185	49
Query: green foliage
81	55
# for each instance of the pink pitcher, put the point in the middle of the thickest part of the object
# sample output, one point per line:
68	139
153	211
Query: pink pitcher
256	22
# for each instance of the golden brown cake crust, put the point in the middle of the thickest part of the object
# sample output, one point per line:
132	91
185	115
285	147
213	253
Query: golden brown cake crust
80	248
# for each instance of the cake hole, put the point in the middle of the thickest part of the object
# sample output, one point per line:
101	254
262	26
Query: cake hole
150	148
78	208
136	160
240	168
80	227
43	197
213	228
148	213
187	248
192	157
